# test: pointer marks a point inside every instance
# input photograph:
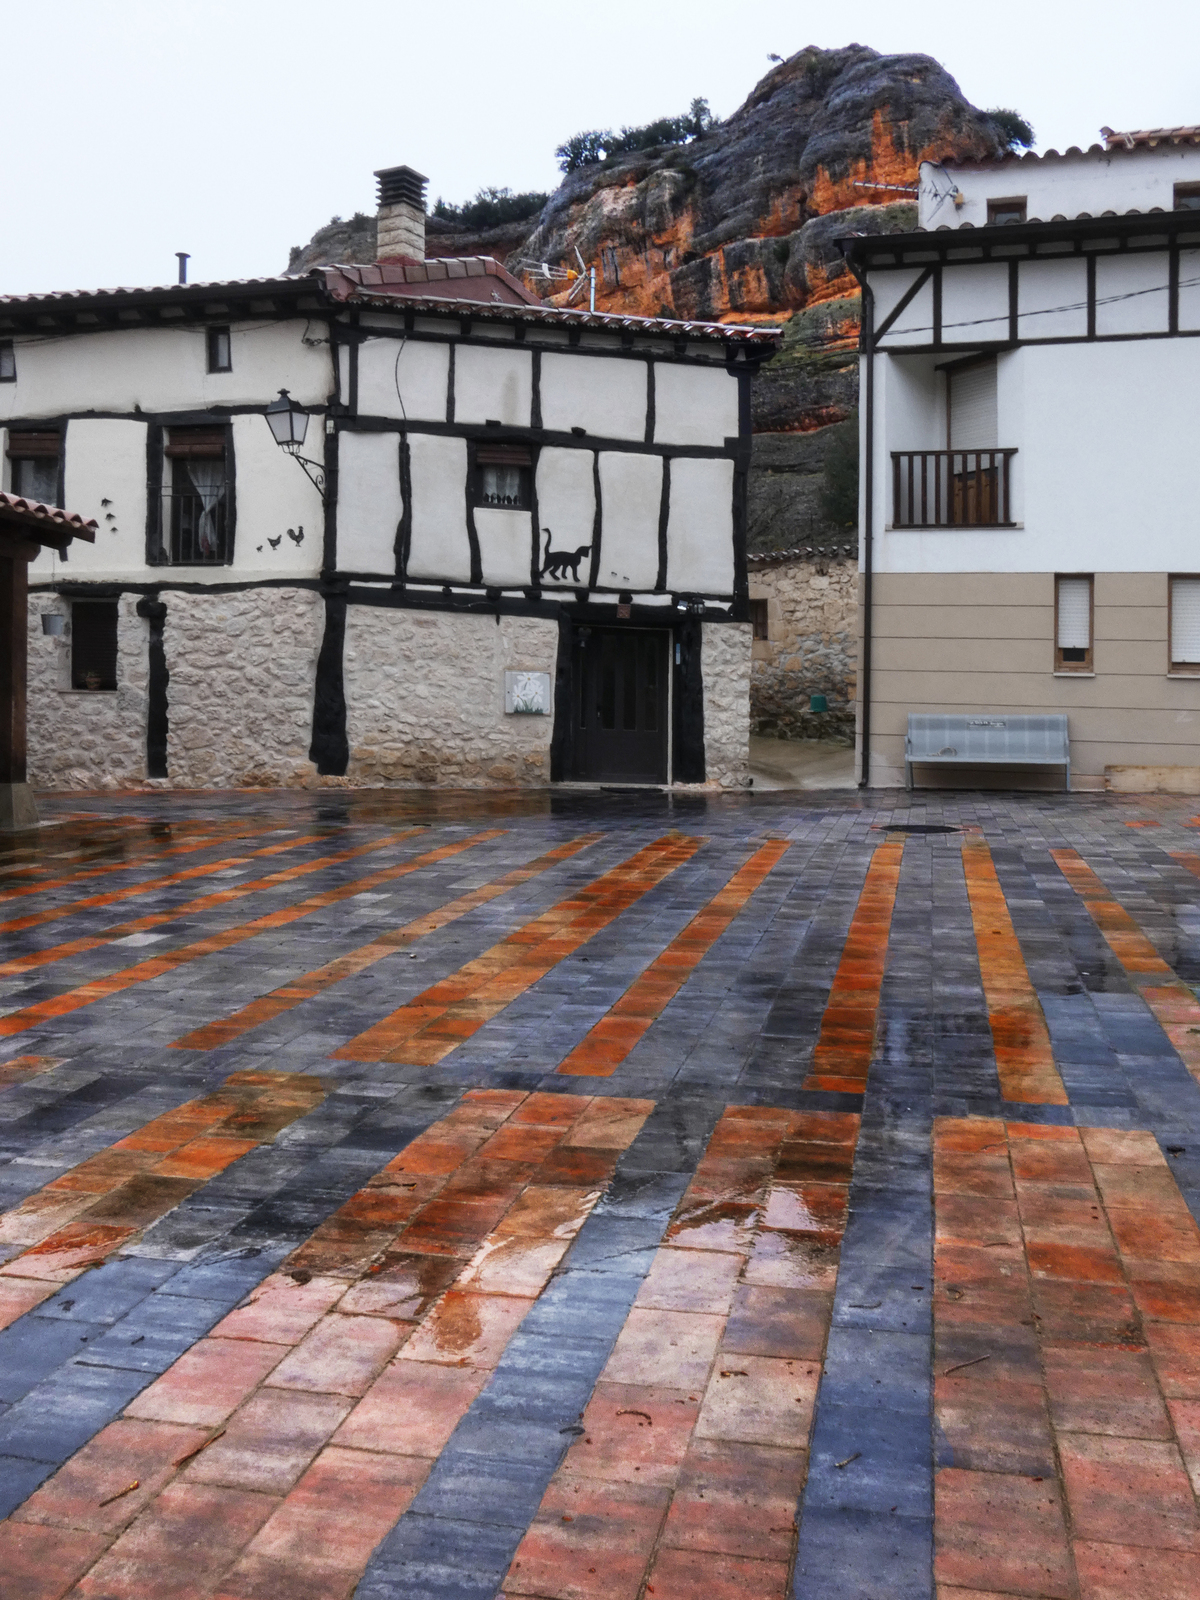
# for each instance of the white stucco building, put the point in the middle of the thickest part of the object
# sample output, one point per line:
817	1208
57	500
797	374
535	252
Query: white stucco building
1029	534
517	554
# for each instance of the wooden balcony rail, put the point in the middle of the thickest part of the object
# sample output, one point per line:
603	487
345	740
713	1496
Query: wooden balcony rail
951	488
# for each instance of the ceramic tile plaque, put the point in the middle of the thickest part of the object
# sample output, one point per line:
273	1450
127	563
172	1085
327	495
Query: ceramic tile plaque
527	694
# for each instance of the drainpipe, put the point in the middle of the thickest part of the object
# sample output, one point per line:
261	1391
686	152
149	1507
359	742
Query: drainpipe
867	348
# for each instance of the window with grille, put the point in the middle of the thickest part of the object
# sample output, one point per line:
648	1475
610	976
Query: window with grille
196	522
94	644
1185	624
1073	624
33	465
504	477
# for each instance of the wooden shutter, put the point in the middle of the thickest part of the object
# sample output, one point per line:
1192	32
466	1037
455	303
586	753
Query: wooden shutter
973	422
1185	622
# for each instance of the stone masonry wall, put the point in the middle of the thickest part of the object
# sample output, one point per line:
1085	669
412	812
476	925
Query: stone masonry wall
425	699
239	702
86	738
725	667
811	648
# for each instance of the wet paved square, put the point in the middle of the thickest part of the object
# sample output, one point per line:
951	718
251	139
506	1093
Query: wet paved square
579	1197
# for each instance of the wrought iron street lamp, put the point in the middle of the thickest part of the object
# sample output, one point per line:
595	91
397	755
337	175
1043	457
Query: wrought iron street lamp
288	422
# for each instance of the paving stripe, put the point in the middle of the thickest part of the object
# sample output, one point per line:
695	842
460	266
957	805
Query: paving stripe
1173	1003
36	919
19	1069
1067	1289
426	1029
207	841
102	1205
614	1036
115	983
693	1447
1020	1038
219	897
269	1006
322	1401
842	1055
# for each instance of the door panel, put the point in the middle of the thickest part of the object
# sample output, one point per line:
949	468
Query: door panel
621	710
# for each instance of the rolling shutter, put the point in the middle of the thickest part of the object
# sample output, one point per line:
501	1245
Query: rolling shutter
1185	622
1074	613
973	424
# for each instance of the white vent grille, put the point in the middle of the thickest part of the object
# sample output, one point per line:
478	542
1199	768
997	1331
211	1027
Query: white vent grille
973	424
1185	621
1074	613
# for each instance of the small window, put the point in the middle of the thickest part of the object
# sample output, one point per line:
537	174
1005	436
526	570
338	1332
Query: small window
504	477
1187	197
8	361
220	350
94	644
33	465
1185	624
1073	624
196	498
1001	212
758	617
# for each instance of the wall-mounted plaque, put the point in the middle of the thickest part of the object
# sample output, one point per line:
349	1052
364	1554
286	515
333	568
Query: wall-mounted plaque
527	694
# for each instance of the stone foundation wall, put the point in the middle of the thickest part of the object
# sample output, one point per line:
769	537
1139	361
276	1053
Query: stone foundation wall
811	648
725	666
425	699
239	702
86	738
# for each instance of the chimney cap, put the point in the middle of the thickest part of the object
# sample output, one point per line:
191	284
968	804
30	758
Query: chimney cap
400	186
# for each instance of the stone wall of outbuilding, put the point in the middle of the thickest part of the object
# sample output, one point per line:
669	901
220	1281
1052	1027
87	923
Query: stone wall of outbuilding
725	669
811	645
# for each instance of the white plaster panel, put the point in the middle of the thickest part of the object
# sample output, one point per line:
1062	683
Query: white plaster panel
566	503
974	303
700	527
105	461
163	369
370	503
1144	280
694	406
275	500
1092	181
630	498
505	545
493	385
405	378
1052	299
1189	290
440	547
605	397
914	325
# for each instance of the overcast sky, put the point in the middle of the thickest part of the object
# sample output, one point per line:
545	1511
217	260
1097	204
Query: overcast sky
234	128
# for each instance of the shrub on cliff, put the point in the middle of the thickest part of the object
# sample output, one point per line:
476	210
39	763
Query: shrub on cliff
598	144
492	208
839	490
1014	130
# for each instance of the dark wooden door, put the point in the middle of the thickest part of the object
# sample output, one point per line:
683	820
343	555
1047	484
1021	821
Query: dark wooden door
621	712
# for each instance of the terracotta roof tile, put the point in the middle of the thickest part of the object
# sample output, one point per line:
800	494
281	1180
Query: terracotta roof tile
1150	137
33	514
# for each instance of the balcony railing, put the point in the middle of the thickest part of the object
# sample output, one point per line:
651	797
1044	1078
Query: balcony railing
951	488
195	528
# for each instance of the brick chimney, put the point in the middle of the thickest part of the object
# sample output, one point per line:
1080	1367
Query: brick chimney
401	214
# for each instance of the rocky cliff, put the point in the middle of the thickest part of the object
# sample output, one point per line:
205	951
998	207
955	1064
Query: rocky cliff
740	224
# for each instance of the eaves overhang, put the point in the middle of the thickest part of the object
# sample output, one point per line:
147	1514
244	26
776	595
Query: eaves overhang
1083	235
90	310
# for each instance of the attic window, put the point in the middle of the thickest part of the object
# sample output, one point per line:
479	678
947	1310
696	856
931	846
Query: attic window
504	477
220	351
1187	197
8	361
1001	212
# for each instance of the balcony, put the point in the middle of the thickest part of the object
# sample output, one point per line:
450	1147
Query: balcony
951	488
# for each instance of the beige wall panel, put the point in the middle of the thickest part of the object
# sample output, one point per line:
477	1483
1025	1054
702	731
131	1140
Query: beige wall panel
1134	658
964	588
1147	623
1131	589
967	658
964	622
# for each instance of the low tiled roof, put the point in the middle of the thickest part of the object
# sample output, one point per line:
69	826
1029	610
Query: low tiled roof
783	558
570	317
51	524
1150	137
191	291
443	277
1114	144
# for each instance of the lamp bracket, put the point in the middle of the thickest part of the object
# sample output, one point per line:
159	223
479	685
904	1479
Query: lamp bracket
313	470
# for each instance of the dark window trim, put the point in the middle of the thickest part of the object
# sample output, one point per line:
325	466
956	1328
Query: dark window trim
1015	202
184	441
1086	664
212	337
1186	191
8	361
80	671
520	456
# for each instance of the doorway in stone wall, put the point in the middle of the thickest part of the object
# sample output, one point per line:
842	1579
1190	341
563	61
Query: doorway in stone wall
620	681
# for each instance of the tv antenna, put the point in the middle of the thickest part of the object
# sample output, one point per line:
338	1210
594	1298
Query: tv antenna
559	274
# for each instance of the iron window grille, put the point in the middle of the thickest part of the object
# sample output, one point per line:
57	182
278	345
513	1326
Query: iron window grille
196	523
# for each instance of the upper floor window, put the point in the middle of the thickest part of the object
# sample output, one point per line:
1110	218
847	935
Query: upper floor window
220	350
1185	624
33	465
1001	211
504	476
8	361
1187	197
1073	623
196	524
971	409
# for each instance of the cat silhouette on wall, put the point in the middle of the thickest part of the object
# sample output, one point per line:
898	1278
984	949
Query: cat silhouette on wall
558	563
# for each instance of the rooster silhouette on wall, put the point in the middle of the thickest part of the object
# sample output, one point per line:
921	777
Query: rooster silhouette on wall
557	564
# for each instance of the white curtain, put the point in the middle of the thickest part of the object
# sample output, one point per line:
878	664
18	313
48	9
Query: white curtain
208	479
